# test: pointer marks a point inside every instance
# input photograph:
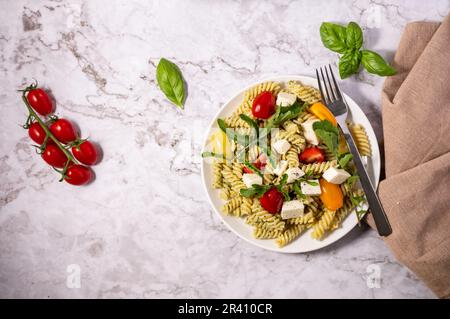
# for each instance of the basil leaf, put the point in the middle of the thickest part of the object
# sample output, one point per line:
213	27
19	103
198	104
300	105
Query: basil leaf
349	63
352	179
344	159
298	190
354	36
284	114
171	82
333	37
328	133
255	190
375	64
311	183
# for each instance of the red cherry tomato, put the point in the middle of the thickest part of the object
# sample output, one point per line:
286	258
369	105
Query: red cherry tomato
311	155
54	156
85	153
37	133
260	163
78	175
272	201
63	131
263	105
40	101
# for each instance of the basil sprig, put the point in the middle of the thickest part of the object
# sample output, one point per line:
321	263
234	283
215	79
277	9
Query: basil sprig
328	133
255	190
348	42
170	81
286	113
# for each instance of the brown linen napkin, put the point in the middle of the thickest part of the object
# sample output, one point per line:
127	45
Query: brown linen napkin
416	124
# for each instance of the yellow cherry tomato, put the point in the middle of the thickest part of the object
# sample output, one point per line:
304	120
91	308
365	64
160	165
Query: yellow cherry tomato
342	148
322	112
331	196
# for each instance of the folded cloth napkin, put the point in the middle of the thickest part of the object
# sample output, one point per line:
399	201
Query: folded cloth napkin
416	125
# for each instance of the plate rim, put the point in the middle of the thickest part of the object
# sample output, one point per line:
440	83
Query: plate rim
280	78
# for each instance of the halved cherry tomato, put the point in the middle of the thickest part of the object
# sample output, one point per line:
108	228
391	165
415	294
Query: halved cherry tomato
322	112
263	105
54	156
37	133
40	101
63	131
86	153
312	155
78	175
272	200
331	196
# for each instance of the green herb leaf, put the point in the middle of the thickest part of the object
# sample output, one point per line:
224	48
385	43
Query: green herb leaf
375	64
344	159
309	182
212	154
333	37
349	63
255	190
253	168
328	133
171	82
298	190
231	133
354	36
250	121
283	114
352	179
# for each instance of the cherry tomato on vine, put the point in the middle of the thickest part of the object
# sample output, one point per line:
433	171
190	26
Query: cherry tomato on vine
86	153
37	133
63	131
54	156
78	175
263	105
272	201
40	101
331	196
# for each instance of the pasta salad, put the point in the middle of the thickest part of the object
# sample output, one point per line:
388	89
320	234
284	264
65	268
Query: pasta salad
282	165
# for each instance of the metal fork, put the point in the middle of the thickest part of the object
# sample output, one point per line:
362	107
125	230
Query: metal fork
332	97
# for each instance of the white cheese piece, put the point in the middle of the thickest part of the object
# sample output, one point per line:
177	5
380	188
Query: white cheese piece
251	179
281	167
335	175
281	146
292	209
294	173
309	133
308	189
286	99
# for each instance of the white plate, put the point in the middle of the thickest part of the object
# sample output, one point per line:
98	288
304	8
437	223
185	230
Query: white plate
304	243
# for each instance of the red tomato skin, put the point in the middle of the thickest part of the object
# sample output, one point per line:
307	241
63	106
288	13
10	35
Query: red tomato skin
311	155
54	156
63	131
247	170
36	133
272	201
40	101
263	105
78	175
86	153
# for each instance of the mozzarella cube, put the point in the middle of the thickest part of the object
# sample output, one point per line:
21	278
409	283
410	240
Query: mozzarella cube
281	146
292	209
286	99
308	132
335	175
251	179
309	189
281	167
294	173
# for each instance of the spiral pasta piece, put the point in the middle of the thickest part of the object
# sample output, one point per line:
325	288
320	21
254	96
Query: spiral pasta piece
305	93
323	224
307	218
231	205
305	116
263	219
234	121
246	206
362	141
292	157
234	181
273	87
262	233
217	174
318	168
342	213
289	235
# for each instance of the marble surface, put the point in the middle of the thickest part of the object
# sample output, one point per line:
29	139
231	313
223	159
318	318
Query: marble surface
144	228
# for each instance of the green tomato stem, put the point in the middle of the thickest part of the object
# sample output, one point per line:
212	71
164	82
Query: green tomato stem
47	131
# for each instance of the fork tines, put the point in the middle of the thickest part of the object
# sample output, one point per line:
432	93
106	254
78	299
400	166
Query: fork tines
329	91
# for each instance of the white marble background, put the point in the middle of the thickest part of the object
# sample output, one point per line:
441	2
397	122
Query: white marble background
144	228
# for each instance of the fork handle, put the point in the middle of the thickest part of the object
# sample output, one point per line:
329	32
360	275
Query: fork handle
379	216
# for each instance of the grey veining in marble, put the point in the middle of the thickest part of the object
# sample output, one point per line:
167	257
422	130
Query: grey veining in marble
144	227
